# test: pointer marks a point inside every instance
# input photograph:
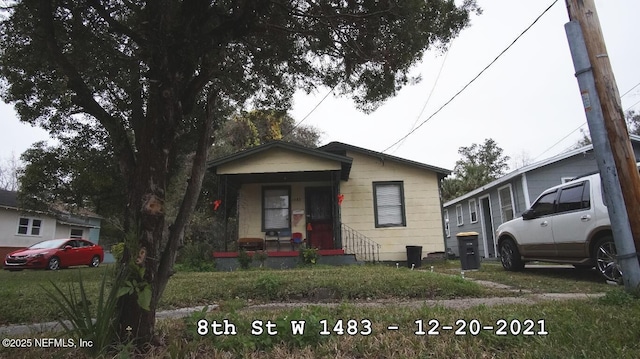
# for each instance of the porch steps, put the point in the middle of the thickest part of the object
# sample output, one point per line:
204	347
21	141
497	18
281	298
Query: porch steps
356	243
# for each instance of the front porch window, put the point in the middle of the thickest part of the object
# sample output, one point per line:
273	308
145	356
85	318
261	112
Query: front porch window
276	208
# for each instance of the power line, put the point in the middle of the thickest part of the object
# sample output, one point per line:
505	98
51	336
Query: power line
475	78
428	97
584	123
562	139
638	84
310	112
630	107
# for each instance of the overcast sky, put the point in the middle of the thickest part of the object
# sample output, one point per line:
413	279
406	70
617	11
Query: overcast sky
527	101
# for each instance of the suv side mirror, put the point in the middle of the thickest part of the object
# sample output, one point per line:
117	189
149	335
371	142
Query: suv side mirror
529	214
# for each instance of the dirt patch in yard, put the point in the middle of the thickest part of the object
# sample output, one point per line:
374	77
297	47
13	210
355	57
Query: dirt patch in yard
524	297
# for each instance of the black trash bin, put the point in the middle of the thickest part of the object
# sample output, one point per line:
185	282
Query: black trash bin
468	249
414	256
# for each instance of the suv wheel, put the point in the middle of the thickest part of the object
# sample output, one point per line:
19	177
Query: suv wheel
605	258
510	256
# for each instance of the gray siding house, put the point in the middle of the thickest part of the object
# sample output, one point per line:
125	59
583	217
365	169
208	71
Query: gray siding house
484	209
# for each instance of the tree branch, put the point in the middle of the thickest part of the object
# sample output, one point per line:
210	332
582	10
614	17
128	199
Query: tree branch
84	96
115	24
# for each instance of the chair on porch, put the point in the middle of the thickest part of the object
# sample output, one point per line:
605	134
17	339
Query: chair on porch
296	240
277	236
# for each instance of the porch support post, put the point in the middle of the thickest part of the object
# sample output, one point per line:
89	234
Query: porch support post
226	219
337	232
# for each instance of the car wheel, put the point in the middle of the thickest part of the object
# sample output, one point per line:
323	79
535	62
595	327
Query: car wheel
54	263
95	261
605	259
510	256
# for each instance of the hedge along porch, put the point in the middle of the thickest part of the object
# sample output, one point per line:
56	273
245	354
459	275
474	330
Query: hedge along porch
338	197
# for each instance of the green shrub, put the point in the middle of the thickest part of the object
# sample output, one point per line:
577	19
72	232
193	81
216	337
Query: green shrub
260	256
309	255
84	322
196	257
244	259
268	286
117	250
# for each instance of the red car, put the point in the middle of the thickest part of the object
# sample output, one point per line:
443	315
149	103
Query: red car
55	254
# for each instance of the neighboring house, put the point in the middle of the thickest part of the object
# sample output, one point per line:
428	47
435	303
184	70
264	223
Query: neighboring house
484	209
340	197
21	228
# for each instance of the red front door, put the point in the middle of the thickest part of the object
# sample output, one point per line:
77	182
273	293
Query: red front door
319	206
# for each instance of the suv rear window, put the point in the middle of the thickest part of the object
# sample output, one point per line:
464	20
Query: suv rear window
574	198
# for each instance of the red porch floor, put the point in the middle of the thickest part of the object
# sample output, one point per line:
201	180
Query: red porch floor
322	252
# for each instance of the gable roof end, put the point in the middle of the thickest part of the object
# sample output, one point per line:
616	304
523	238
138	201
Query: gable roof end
344	161
342	147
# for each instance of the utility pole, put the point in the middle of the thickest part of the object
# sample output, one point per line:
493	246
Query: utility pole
611	144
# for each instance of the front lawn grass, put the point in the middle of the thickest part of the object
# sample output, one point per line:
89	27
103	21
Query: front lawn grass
596	328
25	301
536	278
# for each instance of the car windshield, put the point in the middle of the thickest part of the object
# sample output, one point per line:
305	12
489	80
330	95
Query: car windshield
56	243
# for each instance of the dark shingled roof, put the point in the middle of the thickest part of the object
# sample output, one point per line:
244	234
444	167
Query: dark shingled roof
8	198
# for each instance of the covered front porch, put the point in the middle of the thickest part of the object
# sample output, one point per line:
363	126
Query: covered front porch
286	197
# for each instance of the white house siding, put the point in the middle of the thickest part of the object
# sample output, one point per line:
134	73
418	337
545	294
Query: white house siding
9	237
10	240
422	206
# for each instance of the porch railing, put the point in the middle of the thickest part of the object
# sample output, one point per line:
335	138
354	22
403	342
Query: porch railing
354	242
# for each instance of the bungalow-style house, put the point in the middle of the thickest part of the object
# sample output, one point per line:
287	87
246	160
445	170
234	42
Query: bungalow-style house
21	228
338	198
484	209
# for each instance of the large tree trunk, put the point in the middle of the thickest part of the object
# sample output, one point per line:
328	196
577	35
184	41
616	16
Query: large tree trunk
157	242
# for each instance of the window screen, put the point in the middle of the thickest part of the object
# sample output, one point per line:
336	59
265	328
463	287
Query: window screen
389	204
275	208
506	205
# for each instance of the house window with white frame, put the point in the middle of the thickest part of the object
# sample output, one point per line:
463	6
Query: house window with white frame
29	226
389	206
459	218
447	230
473	211
276	208
506	203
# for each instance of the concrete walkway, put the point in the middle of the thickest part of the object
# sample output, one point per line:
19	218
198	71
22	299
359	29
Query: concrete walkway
524	297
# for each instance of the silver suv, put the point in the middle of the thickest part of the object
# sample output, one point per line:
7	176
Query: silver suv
568	223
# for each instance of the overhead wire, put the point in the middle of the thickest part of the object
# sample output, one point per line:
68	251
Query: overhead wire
631	89
584	123
435	83
310	112
473	79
